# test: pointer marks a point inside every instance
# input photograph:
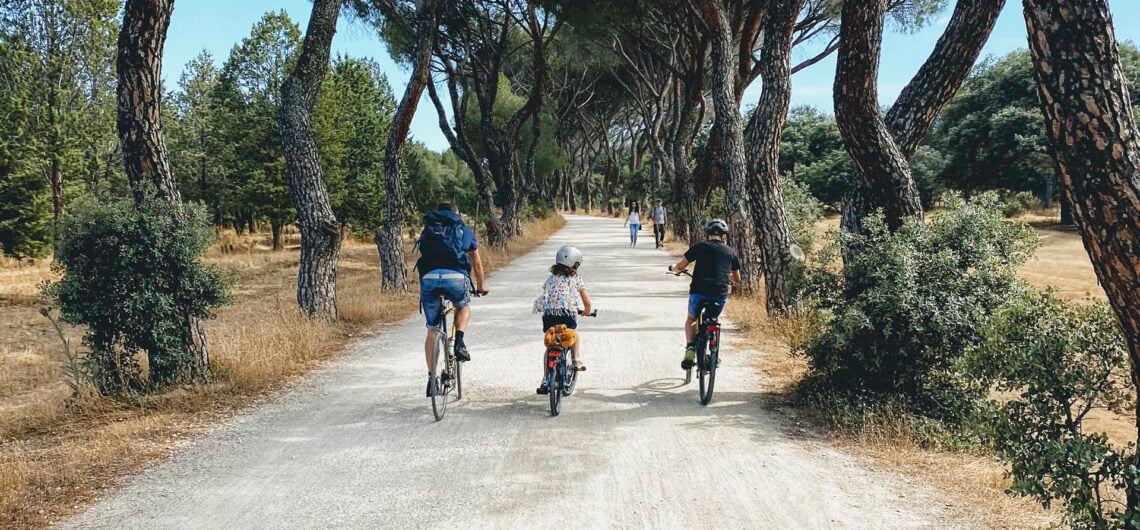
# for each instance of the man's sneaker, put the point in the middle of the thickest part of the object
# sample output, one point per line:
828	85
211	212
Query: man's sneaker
690	355
431	383
461	353
542	389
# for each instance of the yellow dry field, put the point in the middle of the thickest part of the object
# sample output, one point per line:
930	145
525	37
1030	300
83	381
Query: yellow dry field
59	448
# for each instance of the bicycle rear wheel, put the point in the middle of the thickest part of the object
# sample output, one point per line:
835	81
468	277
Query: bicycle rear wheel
439	396
708	358
555	392
704	375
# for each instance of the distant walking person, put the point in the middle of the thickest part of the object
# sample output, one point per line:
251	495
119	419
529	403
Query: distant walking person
659	215
634	223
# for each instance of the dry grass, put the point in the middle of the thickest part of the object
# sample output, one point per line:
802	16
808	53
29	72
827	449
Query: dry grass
57	450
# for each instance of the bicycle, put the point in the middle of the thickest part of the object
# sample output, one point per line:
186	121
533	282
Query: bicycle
707	345
451	378
561	376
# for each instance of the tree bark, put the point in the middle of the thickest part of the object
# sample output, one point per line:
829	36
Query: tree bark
731	139
142	37
929	91
320	233
1095	144
763	134
873	151
390	235
139	65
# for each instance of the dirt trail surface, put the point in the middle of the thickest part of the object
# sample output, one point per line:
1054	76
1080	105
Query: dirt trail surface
355	445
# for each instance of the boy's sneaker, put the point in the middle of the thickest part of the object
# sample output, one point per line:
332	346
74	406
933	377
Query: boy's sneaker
690	356
461	353
542	389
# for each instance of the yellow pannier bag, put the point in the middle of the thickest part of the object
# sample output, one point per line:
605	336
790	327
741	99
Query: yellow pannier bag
560	336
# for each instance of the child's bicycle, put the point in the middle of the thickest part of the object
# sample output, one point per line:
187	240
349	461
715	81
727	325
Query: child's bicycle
707	346
450	379
561	376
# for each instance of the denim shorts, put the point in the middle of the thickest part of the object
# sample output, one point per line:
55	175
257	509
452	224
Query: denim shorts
549	321
695	300
452	285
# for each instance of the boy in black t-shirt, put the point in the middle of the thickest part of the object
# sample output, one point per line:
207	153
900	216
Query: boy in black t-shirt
717	264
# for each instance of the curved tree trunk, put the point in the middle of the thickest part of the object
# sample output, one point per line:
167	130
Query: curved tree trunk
873	150
320	231
390	235
731	135
139	67
765	128
1096	145
930	90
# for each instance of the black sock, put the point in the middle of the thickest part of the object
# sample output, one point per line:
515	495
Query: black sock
458	337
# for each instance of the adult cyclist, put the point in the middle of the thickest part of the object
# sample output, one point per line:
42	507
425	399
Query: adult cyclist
449	255
717	265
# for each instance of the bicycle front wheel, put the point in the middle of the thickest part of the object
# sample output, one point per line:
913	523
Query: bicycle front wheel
439	395
571	375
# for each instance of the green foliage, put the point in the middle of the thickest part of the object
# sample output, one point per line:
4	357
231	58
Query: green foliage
804	211
993	133
58	104
915	300
812	152
25	199
1018	203
133	277
351	121
1062	361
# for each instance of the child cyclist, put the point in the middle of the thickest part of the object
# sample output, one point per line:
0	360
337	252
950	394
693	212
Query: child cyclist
717	265
563	295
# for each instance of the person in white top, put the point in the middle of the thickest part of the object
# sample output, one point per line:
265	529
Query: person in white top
634	223
658	214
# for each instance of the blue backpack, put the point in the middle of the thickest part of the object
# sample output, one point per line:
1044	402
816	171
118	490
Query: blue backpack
442	243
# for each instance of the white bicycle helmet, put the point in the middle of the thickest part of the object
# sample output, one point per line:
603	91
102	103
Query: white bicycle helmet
568	256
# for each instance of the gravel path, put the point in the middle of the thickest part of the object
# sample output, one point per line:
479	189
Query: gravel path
355	444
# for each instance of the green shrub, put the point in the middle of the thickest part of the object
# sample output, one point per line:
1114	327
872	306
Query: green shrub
804	211
134	278
914	301
537	210
1015	204
1062	361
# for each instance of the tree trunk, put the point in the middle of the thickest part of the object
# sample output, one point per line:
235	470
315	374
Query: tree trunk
275	228
55	179
390	235
873	150
1066	210
731	136
320	234
929	91
139	66
1092	132
769	214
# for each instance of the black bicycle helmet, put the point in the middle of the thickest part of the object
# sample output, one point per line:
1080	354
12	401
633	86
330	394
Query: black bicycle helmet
716	227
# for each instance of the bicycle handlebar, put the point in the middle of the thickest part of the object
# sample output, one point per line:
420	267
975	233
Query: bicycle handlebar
682	272
479	293
592	314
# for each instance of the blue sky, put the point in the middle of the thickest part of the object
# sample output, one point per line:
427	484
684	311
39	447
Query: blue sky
216	25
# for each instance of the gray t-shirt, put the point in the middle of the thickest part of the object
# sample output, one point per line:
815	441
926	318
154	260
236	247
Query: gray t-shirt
659	215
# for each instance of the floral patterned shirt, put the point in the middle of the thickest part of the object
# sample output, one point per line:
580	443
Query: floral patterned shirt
560	296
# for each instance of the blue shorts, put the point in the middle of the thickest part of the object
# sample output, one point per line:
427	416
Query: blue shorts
695	300
452	285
